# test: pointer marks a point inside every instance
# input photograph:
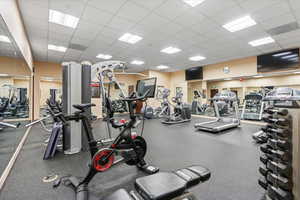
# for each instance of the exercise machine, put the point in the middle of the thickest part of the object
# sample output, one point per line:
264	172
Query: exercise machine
165	185
253	106
221	123
181	112
197	107
163	110
280	169
131	147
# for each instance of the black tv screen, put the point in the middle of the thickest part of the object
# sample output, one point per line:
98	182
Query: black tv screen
281	60
194	73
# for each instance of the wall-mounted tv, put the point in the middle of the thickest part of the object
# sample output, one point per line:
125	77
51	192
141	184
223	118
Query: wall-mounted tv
281	60
194	73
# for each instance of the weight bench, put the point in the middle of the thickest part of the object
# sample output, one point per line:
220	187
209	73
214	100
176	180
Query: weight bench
164	185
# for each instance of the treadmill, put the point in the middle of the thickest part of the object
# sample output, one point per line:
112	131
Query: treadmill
221	123
253	106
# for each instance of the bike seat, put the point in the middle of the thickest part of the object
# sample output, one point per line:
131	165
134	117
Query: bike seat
84	106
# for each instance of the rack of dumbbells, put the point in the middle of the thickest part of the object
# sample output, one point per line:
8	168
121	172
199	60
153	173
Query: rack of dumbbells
278	159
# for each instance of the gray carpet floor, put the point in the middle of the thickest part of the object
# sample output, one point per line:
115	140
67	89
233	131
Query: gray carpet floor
231	156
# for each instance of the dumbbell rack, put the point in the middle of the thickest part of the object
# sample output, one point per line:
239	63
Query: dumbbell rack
280	155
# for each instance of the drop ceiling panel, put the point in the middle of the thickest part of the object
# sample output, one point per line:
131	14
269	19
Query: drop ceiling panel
255	5
108	5
273	10
149	4
96	16
70	7
132	11
171	9
120	24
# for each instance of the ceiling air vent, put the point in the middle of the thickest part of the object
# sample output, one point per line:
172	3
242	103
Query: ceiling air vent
77	47
283	28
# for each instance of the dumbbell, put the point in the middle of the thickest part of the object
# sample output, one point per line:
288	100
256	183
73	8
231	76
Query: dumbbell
260	137
282	132
279	144
280	181
282	155
277	121
284	170
282	112
265	158
278	194
263	182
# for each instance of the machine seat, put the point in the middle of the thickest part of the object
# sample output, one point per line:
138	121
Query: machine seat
163	185
120	194
84	106
168	185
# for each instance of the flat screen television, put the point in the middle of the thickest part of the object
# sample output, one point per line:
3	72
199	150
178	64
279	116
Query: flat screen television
142	86
194	73
281	60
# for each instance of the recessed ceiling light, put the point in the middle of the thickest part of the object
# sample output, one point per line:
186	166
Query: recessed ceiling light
258	76
240	24
197	58
261	41
290	56
4	38
57	48
193	3
104	56
162	67
227	79
170	50
282	54
137	62
130	38
63	19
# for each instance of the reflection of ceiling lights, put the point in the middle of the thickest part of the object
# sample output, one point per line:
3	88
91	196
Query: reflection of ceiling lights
282	54
130	38
3	75
227	79
57	48
261	41
193	3
137	62
4	38
104	56
197	58
290	56
294	59
239	24
162	67
63	19
170	50
297	72
258	76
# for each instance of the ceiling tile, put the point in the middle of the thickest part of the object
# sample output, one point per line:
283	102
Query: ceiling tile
96	16
278	21
149	4
271	11
189	18
132	12
211	8
255	5
70	7
171	9
120	24
86	30
108	5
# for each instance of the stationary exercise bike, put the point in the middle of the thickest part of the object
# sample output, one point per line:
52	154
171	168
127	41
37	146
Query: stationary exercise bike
131	147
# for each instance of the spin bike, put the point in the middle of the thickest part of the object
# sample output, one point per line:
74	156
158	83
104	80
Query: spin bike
131	147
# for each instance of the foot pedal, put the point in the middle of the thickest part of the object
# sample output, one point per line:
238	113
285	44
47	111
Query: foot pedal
149	169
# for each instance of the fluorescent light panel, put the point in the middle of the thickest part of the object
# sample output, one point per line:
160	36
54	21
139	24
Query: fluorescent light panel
240	24
282	54
193	3
137	62
162	67
57	48
258	76
290	56
130	38
104	56
197	58
261	41
63	19
170	50
4	38
227	79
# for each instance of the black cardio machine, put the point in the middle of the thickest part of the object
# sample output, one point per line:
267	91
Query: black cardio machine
131	147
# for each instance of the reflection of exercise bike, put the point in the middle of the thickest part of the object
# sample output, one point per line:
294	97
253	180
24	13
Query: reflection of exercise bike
181	113
197	107
119	106
3	105
131	147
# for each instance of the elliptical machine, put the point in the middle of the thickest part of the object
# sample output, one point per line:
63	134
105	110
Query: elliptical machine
181	113
131	147
197	107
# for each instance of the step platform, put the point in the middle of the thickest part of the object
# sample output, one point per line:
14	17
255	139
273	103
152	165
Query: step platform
164	185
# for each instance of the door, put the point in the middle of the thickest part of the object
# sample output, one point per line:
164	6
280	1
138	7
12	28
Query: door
213	92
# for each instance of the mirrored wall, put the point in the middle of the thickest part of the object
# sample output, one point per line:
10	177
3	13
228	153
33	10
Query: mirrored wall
14	95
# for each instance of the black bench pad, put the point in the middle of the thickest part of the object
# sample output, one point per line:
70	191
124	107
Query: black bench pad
163	185
120	194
